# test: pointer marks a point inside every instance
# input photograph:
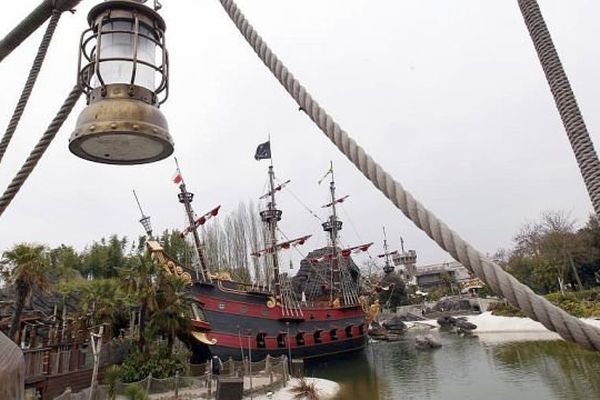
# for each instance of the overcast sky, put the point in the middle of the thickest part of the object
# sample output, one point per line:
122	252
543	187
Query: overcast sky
448	96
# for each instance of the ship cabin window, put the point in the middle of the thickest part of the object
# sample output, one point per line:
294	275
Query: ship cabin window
300	339
348	331
333	334
361	329
317	336
281	340
260	340
197	313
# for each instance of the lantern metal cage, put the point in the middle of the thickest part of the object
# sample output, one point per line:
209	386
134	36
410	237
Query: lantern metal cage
91	59
121	55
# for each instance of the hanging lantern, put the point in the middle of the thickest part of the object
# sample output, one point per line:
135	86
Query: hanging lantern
123	70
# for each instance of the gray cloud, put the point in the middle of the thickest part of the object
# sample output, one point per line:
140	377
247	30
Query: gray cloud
448	96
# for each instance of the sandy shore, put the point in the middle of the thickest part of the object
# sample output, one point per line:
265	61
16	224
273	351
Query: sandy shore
325	389
495	329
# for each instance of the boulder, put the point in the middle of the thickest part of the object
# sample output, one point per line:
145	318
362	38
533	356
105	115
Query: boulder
427	342
394	325
462	325
446	321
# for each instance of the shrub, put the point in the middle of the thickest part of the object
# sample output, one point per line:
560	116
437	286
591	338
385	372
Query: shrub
584	304
136	392
112	377
160	364
505	310
305	390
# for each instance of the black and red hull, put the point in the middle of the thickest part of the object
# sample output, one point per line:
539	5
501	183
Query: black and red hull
238	322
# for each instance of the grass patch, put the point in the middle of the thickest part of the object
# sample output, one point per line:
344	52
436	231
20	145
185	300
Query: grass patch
584	304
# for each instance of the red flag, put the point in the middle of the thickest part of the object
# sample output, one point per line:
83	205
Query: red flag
177	177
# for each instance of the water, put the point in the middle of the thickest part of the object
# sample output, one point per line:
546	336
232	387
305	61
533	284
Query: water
466	368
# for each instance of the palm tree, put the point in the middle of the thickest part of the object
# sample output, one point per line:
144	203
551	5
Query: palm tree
28	271
172	315
101	299
138	280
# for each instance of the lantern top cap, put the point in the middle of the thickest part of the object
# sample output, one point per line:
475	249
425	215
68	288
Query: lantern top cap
136	5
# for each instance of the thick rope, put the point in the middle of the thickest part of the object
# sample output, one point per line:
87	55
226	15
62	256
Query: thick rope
519	295
28	88
582	145
39	149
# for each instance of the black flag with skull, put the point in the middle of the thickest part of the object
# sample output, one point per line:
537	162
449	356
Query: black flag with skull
263	151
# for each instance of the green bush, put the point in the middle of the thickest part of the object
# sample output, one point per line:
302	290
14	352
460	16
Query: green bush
505	310
136	392
159	364
584	304
112	378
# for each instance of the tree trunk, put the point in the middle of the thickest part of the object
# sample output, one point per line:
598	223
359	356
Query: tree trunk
170	341
15	325
143	311
574	269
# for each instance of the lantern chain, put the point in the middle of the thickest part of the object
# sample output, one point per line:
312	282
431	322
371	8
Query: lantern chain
519	295
30	83
38	151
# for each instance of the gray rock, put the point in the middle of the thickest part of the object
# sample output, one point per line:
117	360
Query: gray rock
427	342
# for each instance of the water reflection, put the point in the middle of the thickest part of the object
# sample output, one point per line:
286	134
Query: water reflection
569	370
465	368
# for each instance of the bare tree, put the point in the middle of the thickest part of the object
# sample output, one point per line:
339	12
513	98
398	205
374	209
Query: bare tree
229	241
552	244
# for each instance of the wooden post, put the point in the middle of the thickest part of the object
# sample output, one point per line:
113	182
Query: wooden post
96	352
148	384
250	366
285	371
176	385
268	364
209	384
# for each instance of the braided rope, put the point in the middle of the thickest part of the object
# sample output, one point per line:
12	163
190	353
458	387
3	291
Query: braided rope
582	145
39	149
31	79
517	294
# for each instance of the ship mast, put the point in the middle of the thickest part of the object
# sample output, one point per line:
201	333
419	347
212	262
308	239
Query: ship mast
271	216
186	199
333	226
388	267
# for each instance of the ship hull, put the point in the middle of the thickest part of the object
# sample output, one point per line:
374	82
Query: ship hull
237	324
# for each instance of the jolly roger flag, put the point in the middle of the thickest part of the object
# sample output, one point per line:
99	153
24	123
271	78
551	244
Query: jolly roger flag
263	151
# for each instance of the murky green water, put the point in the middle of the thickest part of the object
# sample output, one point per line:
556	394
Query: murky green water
466	368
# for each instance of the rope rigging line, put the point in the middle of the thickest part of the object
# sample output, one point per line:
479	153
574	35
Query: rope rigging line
32	22
577	132
519	295
311	212
347	214
39	149
29	83
301	254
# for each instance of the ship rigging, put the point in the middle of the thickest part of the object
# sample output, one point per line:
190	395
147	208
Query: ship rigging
131	140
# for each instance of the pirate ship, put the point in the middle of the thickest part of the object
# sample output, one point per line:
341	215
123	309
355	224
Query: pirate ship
235	319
